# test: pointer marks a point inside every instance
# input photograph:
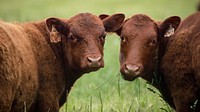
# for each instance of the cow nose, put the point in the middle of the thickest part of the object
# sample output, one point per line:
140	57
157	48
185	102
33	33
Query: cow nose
132	69
94	62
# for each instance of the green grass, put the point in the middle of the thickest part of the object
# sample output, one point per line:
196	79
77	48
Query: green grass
104	90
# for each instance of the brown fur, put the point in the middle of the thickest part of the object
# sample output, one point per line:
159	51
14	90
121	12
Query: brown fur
183	51
175	59
198	6
35	74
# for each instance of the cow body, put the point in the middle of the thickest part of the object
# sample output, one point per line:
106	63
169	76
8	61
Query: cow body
39	65
167	60
17	63
181	65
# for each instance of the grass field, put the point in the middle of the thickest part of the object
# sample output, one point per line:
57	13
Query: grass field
104	90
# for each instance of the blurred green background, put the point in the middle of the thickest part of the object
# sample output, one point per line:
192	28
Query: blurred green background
104	90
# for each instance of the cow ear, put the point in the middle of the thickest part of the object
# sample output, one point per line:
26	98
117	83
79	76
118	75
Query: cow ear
114	22
198	6
168	27
103	16
56	28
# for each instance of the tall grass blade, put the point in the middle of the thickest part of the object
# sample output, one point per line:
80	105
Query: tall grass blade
100	98
90	103
129	110
119	86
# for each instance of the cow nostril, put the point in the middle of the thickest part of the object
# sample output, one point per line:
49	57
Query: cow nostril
93	60
132	68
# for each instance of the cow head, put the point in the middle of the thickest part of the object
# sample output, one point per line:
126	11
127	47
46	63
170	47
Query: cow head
83	37
140	37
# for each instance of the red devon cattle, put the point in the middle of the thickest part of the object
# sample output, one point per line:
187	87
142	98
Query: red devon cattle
168	59
40	61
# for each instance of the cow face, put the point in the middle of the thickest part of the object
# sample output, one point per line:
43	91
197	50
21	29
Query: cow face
140	36
83	38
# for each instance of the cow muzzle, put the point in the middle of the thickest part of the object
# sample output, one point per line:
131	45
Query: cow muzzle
131	72
95	62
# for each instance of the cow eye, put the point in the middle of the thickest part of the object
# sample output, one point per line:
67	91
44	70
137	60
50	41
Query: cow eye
102	37
122	39
153	42
73	38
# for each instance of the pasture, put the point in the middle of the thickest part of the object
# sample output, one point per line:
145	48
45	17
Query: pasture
104	90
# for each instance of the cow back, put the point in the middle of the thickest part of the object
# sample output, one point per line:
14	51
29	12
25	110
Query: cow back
18	67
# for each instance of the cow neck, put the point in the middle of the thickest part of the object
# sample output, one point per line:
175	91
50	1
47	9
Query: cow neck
72	75
157	74
158	80
58	49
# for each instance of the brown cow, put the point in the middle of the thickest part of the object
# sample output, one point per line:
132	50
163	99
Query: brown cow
172	64
40	61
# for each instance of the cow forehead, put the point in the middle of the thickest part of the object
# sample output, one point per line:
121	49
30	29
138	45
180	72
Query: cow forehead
139	26
86	23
